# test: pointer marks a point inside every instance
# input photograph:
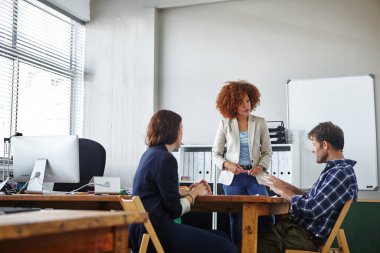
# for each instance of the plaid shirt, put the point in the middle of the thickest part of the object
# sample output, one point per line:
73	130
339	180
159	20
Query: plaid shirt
318	210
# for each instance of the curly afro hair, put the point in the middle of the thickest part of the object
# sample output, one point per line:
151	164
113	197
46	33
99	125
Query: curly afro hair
231	96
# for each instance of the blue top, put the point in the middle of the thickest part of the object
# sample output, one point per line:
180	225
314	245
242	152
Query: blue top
244	158
318	210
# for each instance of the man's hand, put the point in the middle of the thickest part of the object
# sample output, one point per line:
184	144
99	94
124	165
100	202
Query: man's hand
274	183
280	187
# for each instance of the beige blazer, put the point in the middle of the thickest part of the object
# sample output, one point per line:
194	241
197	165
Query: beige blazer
227	135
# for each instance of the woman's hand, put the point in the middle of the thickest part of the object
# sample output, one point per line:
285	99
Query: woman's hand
183	190
256	170
199	190
204	183
233	167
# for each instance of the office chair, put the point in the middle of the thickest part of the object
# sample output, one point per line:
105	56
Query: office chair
336	232
92	161
135	205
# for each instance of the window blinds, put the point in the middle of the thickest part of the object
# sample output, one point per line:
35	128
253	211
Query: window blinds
41	70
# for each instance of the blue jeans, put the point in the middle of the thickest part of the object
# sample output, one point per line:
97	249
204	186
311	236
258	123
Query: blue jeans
244	184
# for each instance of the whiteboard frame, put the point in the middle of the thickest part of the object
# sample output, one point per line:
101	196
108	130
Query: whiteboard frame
328	100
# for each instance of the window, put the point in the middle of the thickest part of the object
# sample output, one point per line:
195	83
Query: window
41	71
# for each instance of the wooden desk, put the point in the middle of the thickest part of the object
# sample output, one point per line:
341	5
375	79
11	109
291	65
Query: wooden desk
66	231
251	206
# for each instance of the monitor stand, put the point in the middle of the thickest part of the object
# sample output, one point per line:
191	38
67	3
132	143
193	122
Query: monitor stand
37	177
2	184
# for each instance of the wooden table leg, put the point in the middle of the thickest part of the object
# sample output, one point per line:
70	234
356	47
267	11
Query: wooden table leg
120	235
249	228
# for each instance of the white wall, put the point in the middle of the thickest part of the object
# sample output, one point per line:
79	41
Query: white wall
119	82
266	42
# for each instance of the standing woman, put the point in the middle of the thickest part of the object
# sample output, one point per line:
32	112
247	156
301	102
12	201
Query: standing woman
156	182
246	138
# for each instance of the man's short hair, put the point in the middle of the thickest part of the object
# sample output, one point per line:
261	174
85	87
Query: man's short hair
327	131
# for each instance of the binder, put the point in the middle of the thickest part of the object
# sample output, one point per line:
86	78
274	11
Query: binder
185	175
275	164
208	167
269	169
191	166
199	169
285	170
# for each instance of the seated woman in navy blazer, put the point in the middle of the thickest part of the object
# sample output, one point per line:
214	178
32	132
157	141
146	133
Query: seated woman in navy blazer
156	182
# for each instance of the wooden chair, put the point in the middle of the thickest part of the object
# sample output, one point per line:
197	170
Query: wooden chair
135	205
335	232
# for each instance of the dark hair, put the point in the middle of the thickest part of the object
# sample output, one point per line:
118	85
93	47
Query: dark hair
232	94
163	128
327	131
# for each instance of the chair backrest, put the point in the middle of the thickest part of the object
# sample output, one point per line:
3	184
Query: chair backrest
135	205
336	227
92	161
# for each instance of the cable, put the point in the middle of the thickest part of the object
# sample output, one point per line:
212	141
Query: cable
50	191
80	188
26	184
104	185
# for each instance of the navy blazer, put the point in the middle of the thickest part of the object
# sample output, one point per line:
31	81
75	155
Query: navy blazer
156	182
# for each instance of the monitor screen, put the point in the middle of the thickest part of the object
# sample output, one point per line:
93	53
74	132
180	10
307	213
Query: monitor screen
60	152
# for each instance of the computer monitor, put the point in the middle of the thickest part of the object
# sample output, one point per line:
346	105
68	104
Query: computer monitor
41	159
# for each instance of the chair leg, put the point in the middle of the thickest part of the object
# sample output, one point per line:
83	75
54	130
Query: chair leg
144	243
342	241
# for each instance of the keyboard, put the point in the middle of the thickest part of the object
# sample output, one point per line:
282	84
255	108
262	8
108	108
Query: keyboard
8	210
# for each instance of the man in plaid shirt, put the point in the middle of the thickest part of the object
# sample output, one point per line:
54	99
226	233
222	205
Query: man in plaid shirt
313	214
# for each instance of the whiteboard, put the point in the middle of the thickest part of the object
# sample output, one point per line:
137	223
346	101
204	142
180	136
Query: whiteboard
347	102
